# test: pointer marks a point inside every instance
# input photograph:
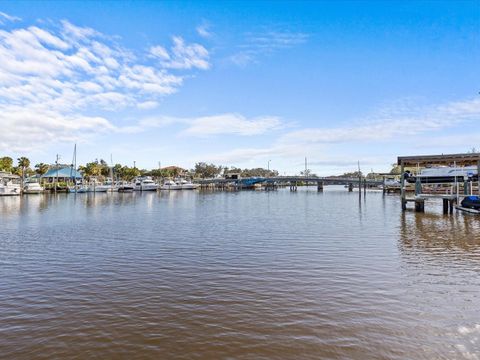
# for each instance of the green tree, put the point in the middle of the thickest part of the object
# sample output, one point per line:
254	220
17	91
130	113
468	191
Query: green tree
41	168
204	170
23	164
6	164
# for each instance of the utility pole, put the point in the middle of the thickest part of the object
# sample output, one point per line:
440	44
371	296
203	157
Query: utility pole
268	166
134	164
306	166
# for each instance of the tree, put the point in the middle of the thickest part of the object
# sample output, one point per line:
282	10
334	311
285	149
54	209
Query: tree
205	170
23	164
6	164
41	168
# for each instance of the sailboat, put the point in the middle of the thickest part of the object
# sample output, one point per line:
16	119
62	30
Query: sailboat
77	189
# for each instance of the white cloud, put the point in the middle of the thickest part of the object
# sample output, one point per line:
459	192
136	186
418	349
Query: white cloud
182	55
5	17
233	124
203	30
392	123
266	43
69	74
27	130
159	52
222	124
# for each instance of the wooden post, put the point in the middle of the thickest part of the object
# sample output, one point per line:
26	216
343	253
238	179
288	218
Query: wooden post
420	205
384	190
365	186
445	206
350	187
319	186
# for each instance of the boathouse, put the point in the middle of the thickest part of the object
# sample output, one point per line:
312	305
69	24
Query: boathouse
61	174
450	194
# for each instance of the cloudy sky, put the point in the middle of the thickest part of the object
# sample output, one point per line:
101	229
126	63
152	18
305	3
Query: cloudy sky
239	83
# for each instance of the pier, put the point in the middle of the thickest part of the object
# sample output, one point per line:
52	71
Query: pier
449	192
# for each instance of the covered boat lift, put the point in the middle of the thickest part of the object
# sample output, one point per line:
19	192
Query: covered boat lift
460	160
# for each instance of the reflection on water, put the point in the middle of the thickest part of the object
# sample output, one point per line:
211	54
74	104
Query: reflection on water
243	275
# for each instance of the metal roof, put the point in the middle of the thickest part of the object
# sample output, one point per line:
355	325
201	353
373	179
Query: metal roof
443	159
63	172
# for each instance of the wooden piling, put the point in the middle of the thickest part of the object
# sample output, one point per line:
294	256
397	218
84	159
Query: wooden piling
420	205
320	186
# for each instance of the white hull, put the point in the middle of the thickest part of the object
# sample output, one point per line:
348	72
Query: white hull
146	188
100	188
33	191
171	187
9	190
190	186
33	188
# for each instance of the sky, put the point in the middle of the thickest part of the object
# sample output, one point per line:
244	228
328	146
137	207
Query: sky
240	83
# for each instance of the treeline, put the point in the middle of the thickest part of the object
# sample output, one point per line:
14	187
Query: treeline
101	169
22	168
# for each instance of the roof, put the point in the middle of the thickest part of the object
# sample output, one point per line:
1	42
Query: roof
443	159
4	174
63	172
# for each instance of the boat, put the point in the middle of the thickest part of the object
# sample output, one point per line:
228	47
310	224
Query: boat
445	174
124	187
471	202
170	185
79	189
33	187
187	185
9	184
145	184
100	188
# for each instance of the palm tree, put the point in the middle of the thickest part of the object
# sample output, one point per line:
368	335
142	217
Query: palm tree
23	163
41	168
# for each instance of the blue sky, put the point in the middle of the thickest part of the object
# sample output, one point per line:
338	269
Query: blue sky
240	83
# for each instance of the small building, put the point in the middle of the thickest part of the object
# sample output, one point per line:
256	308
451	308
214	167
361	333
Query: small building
61	174
233	176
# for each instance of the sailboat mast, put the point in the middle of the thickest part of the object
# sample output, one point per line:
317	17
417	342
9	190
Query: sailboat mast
75	165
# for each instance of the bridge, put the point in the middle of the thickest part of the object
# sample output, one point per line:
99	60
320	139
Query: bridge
292	181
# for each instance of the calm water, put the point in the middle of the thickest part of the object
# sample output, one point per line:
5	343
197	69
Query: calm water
249	275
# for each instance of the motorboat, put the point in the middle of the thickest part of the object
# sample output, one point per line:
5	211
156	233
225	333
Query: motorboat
33	187
171	185
187	185
79	189
445	174
391	184
9	184
471	202
124	187
145	184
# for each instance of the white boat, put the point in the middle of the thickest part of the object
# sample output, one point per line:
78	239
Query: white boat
123	186
79	189
33	188
101	188
145	184
9	184
187	185
171	185
445	174
391	184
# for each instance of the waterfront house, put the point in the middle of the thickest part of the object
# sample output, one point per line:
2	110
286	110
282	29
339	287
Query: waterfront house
61	174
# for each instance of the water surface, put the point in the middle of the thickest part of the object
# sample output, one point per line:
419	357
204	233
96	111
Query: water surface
245	275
